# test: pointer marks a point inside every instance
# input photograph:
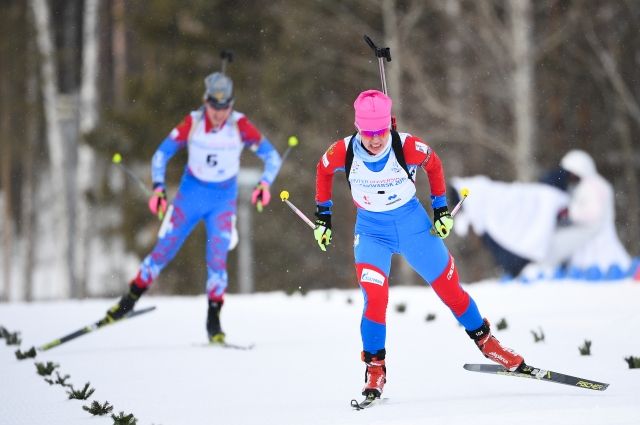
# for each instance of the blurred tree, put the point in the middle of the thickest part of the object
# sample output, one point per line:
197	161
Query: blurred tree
458	79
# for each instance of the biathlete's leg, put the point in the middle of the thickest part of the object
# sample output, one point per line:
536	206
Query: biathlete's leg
174	229
219	223
373	263
438	268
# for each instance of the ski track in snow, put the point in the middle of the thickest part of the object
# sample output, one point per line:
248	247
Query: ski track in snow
306	365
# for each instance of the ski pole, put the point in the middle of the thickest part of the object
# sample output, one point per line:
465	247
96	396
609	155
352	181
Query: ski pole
117	160
227	57
464	192
284	196
382	53
292	142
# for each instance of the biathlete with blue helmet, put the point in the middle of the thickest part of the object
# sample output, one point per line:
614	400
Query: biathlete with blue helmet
381	164
214	136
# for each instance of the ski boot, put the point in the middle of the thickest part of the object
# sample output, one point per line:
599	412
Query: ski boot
375	375
126	303
214	330
493	350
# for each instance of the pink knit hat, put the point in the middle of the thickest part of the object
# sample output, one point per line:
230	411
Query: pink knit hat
373	110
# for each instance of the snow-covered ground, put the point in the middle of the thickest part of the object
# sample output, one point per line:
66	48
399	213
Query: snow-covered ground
305	367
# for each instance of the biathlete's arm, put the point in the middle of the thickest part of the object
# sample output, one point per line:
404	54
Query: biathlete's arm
418	154
175	141
333	160
262	147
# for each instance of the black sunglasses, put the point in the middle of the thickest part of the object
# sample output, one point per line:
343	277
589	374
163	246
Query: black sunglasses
217	105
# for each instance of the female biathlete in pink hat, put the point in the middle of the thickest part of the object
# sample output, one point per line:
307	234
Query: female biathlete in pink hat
380	165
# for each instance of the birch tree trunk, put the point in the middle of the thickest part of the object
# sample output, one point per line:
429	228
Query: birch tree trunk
29	187
119	42
7	219
88	115
48	71
522	87
455	71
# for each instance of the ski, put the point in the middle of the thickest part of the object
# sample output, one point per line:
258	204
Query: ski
526	371
228	345
370	400
95	326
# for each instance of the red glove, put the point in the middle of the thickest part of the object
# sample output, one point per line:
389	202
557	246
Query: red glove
261	195
158	201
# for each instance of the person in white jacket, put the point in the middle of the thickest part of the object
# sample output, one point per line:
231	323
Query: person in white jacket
589	242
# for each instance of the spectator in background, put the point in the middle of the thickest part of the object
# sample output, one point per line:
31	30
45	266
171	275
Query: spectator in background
588	239
566	225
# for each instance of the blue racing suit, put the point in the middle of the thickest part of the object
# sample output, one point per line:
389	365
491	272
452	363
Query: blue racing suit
207	192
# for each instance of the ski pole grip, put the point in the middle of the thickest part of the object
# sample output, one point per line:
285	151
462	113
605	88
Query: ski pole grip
381	52
226	55
370	43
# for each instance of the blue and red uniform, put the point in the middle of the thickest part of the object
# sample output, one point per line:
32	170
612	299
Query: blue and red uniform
207	192
391	220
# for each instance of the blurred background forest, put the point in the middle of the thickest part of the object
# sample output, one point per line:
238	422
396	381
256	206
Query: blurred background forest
497	87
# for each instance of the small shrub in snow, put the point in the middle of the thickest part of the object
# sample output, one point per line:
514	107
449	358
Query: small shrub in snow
11	338
401	307
634	362
29	354
585	350
96	409
538	337
502	324
82	394
60	380
46	369
123	419
430	317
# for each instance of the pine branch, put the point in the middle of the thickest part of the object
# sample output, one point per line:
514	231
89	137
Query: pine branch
502	324
538	337
11	338
585	350
60	380
401	307
121	419
634	362
83	394
430	317
46	369
98	410
29	354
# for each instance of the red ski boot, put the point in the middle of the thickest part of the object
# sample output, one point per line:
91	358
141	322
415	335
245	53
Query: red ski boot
376	373
493	350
